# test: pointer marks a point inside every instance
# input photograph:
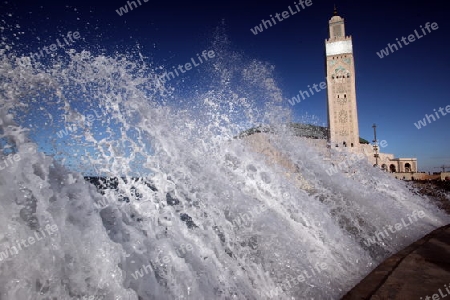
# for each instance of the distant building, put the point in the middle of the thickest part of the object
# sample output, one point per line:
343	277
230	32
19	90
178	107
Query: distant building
342	112
343	130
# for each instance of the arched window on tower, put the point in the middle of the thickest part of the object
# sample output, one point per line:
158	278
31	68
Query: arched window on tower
345	144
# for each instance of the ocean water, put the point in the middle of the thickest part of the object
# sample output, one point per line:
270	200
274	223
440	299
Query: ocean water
210	216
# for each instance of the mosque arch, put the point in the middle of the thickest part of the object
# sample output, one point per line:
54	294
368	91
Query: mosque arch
408	167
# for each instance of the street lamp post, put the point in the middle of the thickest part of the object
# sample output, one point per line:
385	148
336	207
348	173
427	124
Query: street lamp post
375	145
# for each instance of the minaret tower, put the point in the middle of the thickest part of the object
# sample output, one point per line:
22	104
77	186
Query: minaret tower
342	113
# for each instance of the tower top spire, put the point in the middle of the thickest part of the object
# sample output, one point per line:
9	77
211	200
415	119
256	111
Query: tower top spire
335	13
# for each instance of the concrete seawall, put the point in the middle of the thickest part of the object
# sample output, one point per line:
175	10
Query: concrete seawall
420	270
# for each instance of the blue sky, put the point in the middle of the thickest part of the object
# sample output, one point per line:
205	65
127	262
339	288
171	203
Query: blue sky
393	92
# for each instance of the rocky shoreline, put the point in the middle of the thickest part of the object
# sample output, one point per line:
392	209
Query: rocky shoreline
437	191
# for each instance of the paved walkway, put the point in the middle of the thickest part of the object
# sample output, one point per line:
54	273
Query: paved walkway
420	270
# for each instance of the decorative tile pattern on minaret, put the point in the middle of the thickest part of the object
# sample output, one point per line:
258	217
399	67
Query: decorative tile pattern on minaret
342	112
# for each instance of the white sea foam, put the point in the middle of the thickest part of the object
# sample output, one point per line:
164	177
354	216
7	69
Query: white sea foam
202	180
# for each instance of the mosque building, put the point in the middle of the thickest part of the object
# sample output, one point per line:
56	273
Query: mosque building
343	130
